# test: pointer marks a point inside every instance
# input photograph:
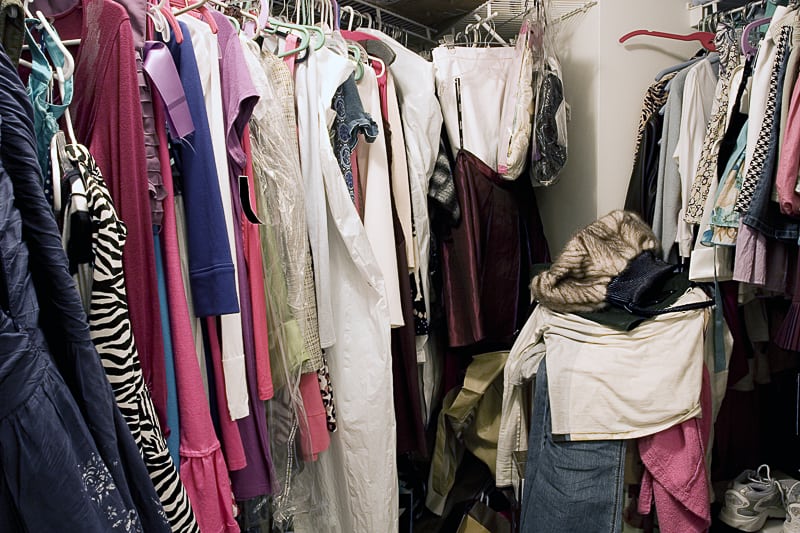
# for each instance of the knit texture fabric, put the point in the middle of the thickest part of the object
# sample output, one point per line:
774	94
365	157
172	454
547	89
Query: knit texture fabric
577	280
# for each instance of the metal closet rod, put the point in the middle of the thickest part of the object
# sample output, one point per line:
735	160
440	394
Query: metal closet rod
385	16
380	16
568	15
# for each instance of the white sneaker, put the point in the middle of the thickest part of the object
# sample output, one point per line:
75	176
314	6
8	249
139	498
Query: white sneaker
791	501
753	498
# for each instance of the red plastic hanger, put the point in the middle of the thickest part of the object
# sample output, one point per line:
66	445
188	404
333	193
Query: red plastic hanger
173	22
706	39
198	10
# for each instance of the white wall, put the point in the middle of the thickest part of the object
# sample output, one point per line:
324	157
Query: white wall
571	202
605	82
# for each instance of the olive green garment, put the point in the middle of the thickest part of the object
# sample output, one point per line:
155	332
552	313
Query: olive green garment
12	27
470	419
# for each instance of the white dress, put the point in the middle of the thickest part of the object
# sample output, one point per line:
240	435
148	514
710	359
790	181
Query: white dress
357	476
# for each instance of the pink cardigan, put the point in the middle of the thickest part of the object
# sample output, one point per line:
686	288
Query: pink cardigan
676	474
786	178
203	470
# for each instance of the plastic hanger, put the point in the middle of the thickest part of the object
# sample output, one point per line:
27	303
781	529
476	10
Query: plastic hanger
160	24
69	61
202	11
747	48
356	51
676	68
62	84
263	14
173	22
303	15
305	35
190	7
712	58
381	63
228	8
706	39
55	172
349	9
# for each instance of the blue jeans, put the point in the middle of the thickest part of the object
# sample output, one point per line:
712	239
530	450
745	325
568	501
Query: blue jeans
570	486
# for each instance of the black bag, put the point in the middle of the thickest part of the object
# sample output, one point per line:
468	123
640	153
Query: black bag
639	289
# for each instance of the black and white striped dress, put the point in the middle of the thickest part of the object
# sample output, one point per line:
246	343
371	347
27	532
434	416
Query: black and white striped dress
113	337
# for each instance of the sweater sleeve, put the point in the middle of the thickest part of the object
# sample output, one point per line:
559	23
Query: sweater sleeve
210	263
117	143
790	159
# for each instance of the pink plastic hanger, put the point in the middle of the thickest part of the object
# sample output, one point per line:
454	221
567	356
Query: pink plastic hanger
198	10
706	39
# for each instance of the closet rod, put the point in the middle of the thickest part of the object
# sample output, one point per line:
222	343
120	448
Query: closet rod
577	11
568	15
385	16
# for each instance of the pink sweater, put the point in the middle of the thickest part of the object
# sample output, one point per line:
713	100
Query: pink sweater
789	162
107	116
255	271
203	470
676	474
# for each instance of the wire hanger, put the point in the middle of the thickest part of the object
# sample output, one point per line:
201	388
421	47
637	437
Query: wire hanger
706	39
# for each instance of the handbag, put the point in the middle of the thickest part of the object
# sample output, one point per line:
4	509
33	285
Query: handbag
483	519
640	288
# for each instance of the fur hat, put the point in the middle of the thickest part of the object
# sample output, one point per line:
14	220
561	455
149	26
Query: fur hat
578	278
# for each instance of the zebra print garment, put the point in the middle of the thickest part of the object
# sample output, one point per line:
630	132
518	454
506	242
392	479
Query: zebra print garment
112	335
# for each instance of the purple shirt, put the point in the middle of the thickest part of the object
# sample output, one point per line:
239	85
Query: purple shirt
239	97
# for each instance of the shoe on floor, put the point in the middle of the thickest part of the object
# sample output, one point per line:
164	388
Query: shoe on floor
791	501
753	498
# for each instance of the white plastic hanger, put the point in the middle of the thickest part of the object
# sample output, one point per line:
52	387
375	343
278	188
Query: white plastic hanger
62	74
160	24
56	174
380	62
69	61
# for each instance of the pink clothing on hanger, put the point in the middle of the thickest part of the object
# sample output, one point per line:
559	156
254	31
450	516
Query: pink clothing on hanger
358	195
203	470
314	438
231	438
382	80
255	271
789	162
109	123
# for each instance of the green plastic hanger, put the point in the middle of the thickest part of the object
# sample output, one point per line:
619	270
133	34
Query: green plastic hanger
356	50
305	35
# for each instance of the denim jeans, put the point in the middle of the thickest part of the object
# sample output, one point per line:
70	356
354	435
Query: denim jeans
570	486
